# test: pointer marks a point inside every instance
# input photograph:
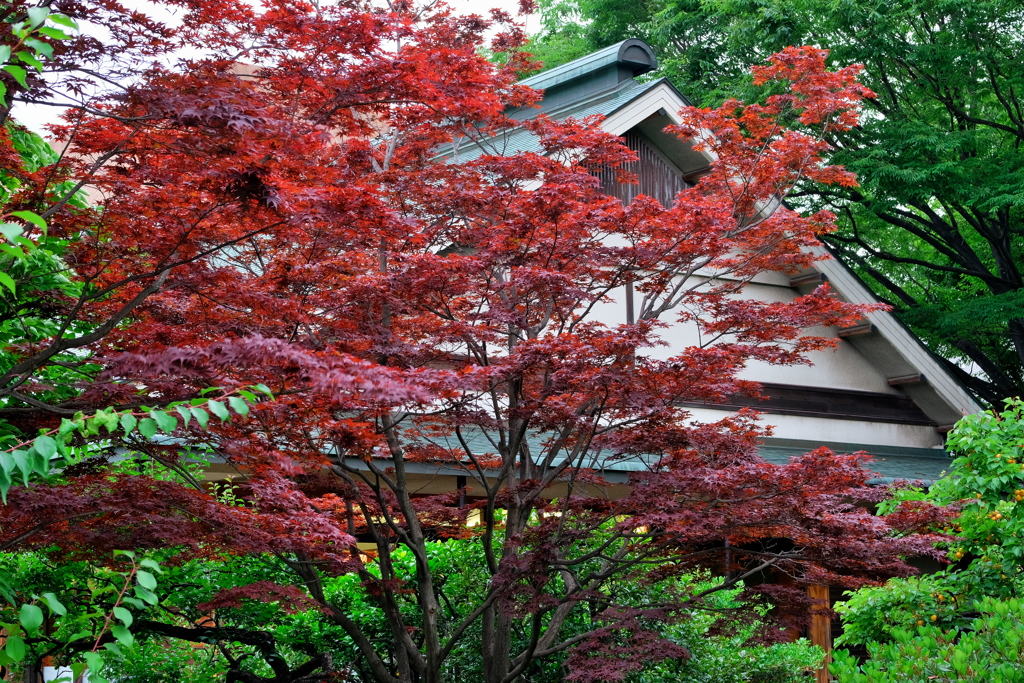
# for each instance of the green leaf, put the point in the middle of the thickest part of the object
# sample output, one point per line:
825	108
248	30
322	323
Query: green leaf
15	648
137	604
64	21
31	217
202	417
128	423
45	446
22	461
11	230
54	604
148	428
147	595
218	409
95	662
37	15
67	426
54	33
123	635
185	415
16	252
30	59
40	47
152	564
145	579
238	405
31	618
165	422
125	553
7	462
124	615
38	463
5	53
18	73
5	485
8	282
264	388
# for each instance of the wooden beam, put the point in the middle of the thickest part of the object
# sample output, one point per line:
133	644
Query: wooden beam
907	379
857	330
812	279
821	628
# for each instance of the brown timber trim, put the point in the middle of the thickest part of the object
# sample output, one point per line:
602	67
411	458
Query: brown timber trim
812	279
696	174
835	404
857	330
907	379
821	628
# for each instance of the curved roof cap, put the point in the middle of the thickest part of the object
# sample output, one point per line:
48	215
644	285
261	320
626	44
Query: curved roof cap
636	55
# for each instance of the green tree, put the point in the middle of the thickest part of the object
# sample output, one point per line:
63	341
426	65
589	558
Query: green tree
719	638
991	650
964	622
935	227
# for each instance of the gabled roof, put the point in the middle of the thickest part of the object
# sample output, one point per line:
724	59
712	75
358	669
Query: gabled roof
603	103
604	83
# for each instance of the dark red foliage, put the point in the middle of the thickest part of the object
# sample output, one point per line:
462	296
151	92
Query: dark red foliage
289	598
280	210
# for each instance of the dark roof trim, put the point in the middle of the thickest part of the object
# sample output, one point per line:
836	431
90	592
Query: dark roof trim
636	55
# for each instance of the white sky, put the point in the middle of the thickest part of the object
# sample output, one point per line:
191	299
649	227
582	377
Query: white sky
36	117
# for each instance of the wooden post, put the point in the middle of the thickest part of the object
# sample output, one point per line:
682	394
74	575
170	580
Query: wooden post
821	628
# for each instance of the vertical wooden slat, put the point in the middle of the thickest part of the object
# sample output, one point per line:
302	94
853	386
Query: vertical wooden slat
821	628
655	178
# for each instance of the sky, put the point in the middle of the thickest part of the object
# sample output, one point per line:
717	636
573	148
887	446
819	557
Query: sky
36	117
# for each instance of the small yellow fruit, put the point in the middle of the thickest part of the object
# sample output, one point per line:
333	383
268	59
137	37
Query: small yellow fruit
935	617
920	623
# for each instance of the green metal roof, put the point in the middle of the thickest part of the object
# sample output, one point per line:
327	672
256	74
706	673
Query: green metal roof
892	463
521	140
634	55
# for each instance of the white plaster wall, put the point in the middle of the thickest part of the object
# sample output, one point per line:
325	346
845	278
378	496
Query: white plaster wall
841	368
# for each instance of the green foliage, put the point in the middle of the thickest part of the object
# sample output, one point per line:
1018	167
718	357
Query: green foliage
723	657
719	643
36	284
45	456
104	600
89	626
991	650
30	29
987	481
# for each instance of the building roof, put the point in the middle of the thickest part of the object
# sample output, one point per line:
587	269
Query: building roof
604	83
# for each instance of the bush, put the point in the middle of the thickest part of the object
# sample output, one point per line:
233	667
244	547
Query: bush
990	650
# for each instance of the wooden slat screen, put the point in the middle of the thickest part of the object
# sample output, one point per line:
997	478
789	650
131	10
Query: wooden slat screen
656	178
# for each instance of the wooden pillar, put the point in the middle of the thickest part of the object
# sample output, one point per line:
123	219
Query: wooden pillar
821	628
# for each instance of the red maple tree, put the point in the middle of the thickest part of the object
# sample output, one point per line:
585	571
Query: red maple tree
298	224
